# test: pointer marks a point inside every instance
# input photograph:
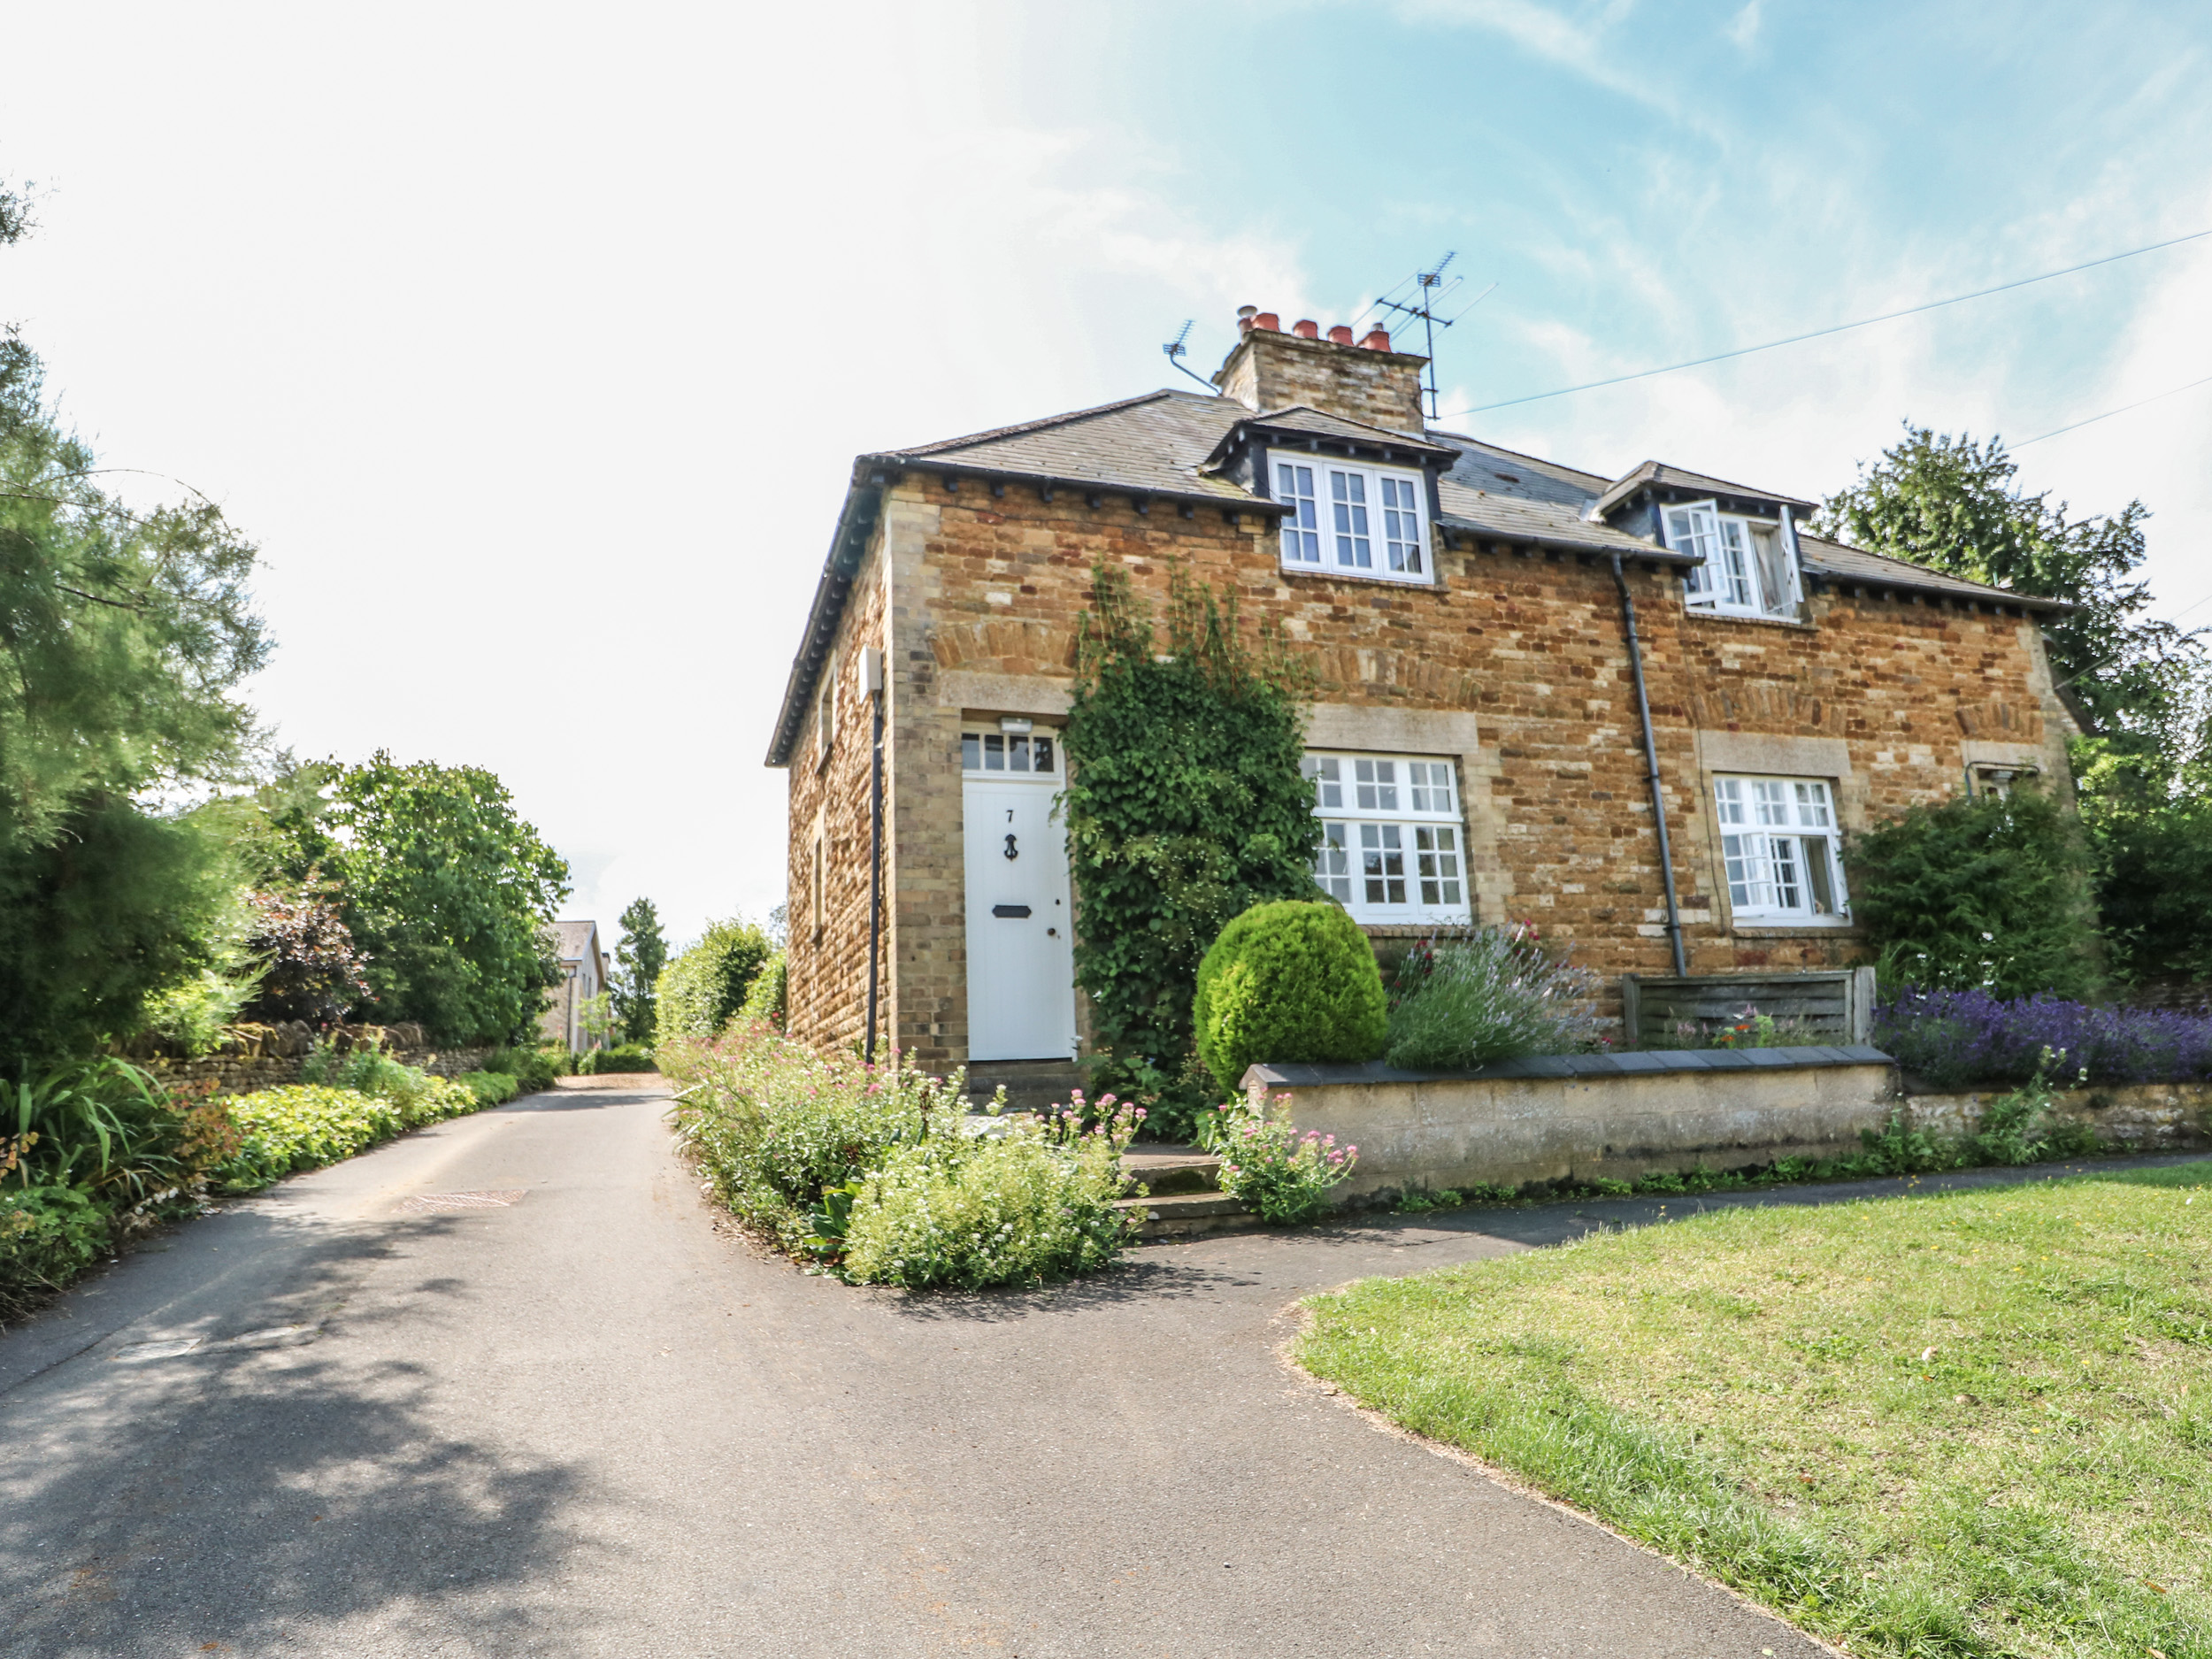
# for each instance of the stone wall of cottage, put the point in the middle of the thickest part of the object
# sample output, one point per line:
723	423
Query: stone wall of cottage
1269	370
826	957
1521	656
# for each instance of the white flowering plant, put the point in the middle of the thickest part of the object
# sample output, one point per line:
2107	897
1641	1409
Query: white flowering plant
964	1211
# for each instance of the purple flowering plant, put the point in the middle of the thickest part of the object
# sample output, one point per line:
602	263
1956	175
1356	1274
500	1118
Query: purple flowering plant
1972	1036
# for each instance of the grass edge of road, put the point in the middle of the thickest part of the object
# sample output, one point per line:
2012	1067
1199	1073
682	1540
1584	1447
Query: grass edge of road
1684	1415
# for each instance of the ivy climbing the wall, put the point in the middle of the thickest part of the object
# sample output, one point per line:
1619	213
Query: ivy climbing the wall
1185	807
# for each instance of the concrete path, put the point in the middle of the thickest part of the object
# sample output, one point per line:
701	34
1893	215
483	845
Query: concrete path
587	1421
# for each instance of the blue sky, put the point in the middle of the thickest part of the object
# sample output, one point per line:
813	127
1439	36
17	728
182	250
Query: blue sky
534	344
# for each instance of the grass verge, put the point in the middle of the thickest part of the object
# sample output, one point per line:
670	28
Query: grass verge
1967	1424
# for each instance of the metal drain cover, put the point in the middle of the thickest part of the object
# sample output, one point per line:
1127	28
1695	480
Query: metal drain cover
425	1204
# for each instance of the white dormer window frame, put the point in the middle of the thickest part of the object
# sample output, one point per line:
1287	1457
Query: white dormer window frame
1750	567
1348	518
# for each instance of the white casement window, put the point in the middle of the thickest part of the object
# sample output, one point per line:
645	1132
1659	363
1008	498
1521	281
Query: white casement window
1007	751
1782	848
1749	569
1347	519
1393	845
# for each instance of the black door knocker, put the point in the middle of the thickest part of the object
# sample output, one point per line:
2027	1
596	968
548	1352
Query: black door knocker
1010	851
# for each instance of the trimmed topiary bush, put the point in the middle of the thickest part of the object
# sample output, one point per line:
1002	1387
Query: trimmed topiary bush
1292	981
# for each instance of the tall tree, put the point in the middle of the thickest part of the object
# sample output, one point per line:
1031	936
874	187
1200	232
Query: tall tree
450	896
1950	503
639	958
124	637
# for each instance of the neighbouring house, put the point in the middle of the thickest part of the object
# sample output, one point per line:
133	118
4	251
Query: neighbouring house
583	976
1515	660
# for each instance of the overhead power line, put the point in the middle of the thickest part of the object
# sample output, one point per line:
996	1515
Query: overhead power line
1837	328
2171	391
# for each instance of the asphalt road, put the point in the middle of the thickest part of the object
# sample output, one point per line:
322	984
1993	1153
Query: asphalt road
592	1421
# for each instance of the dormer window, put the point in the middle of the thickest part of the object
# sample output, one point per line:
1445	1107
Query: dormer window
1749	568
1348	520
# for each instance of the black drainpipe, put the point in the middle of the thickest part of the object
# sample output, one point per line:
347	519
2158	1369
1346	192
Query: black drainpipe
1651	760
875	850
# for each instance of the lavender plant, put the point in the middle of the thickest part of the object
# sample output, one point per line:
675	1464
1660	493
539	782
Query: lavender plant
1490	993
1958	1037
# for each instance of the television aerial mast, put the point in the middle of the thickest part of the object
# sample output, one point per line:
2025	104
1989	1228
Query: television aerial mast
1428	290
1176	350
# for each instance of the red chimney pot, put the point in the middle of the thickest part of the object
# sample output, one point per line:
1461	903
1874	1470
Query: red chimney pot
1245	313
1340	335
1377	339
1306	329
1269	322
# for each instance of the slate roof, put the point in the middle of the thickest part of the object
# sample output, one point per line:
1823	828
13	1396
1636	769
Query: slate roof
1167	444
572	939
1155	444
1841	564
1659	473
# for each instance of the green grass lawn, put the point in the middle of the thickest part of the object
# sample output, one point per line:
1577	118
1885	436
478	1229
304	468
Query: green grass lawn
1976	1422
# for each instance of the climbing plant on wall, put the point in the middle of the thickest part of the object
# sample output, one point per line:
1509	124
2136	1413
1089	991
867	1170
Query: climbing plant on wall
1184	806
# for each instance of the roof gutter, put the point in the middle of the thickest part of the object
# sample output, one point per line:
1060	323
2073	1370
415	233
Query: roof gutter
849	545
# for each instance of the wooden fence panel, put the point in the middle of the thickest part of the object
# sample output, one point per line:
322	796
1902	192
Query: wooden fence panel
1837	1004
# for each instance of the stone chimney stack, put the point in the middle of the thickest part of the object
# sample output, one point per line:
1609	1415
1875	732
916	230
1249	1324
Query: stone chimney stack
1270	370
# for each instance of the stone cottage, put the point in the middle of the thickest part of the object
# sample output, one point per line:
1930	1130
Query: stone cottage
583	976
1638	711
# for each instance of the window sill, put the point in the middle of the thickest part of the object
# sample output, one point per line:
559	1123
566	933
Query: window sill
1381	578
1761	929
1701	613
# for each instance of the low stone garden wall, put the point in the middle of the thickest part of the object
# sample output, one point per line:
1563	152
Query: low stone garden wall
2130	1116
256	1057
1556	1117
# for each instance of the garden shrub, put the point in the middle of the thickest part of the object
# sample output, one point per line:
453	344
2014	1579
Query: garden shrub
418	1097
1491	994
491	1088
535	1069
106	1127
628	1057
1185	807
302	1127
774	1124
1954	1038
768	1001
1268	1165
963	1211
48	1234
308	1125
1979	892
1292	981
699	992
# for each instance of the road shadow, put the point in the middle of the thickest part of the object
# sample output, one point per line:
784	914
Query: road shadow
1141	1278
248	1497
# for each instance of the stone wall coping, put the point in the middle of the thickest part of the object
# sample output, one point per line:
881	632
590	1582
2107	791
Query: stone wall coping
1629	1062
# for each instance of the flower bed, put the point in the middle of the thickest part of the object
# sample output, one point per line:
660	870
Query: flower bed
1956	1037
877	1172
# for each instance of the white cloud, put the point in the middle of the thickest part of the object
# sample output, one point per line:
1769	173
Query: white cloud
1743	29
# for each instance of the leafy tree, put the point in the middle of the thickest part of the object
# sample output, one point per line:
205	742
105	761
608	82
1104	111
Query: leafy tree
1949	503
1979	892
2148	815
124	636
1186	806
639	958
696	995
313	973
449	895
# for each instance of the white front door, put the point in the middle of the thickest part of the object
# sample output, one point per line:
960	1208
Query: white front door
1021	948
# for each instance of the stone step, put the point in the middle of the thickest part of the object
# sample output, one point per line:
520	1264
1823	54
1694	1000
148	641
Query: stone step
1031	1085
1187	1215
1171	1169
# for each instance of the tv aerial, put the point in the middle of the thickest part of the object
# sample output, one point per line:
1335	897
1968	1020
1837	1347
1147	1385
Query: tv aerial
1177	351
1430	289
